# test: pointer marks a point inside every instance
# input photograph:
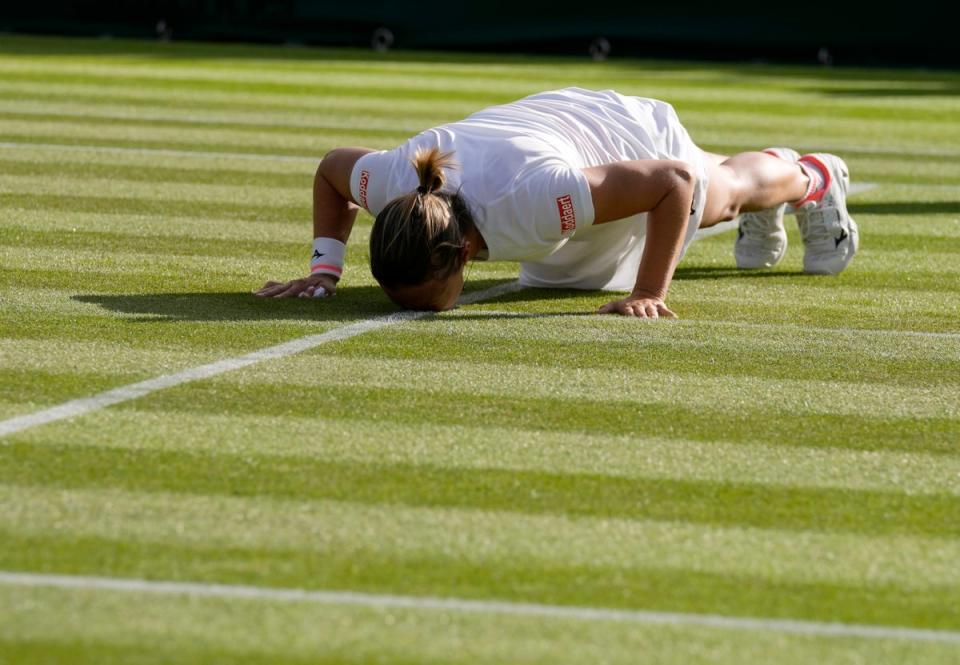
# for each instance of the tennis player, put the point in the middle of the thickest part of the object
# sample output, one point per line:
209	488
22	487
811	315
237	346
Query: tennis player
586	189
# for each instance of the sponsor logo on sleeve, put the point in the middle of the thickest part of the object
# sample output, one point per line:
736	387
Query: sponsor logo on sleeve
364	181
568	216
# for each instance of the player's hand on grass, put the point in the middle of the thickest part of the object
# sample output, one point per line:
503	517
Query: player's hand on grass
642	307
314	286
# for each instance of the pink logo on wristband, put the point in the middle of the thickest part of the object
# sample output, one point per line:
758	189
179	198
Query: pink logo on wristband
326	267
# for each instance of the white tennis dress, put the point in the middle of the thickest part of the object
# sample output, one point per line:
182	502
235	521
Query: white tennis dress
519	170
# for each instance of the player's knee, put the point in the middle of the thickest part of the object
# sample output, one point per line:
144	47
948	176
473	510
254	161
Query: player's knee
730	212
737	194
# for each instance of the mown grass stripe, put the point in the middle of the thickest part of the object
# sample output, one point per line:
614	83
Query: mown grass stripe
344	530
365	82
761	105
265	127
331	107
437	110
57	227
177	192
271	123
494	90
133	205
163	152
637	385
513	448
523	579
769	101
694	112
688	348
227	163
104	172
610	416
525	492
280	142
164	245
175	145
630	385
97	628
499	607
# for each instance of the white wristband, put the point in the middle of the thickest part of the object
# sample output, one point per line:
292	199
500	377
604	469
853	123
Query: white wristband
327	257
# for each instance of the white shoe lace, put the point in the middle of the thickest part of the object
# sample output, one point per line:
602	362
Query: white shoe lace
822	225
759	226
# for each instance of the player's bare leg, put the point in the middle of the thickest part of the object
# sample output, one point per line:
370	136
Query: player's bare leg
761	239
758	186
748	182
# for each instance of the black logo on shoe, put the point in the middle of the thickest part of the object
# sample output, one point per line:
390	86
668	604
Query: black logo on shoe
317	254
843	236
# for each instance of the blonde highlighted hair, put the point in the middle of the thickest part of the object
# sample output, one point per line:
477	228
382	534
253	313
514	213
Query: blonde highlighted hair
419	236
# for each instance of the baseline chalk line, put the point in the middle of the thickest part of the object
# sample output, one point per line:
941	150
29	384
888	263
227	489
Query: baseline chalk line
463	605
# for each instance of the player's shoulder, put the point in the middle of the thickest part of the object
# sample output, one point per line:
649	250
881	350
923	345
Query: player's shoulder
380	176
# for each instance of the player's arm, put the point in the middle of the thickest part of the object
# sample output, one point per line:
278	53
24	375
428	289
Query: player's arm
664	190
334	212
334	209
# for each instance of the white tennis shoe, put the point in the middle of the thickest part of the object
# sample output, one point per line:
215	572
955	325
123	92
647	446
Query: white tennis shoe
830	236
761	239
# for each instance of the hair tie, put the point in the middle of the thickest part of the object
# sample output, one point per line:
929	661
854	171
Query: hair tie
423	189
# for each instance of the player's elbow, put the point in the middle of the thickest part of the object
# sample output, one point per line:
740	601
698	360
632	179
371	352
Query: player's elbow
328	163
681	175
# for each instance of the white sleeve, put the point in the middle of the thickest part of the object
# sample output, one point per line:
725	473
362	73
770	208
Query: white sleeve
545	206
369	181
556	198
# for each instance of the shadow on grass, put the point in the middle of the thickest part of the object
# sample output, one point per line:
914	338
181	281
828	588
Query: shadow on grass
942	88
571	302
905	208
351	303
728	272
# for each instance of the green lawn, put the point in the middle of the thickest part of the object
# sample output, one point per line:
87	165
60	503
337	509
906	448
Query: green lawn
790	449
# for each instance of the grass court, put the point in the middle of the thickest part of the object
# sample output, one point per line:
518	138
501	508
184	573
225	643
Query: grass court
789	449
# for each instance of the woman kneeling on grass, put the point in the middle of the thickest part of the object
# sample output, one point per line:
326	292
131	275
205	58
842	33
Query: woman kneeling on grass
588	190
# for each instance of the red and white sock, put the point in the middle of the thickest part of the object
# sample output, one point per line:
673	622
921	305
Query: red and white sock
819	176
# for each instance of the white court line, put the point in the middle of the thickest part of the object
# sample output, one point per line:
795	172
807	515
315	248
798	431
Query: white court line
815	329
80	406
692	323
463	605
